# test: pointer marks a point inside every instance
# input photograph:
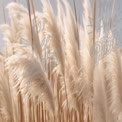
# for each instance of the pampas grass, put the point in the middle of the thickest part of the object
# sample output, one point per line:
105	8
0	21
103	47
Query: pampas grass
48	71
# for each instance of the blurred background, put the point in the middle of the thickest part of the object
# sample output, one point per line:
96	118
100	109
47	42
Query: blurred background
107	10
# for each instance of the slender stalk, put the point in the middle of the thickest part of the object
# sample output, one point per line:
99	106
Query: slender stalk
42	112
94	23
76	18
21	108
29	10
4	15
33	8
111	18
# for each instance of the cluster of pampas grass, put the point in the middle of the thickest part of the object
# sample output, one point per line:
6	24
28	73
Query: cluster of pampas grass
48	70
